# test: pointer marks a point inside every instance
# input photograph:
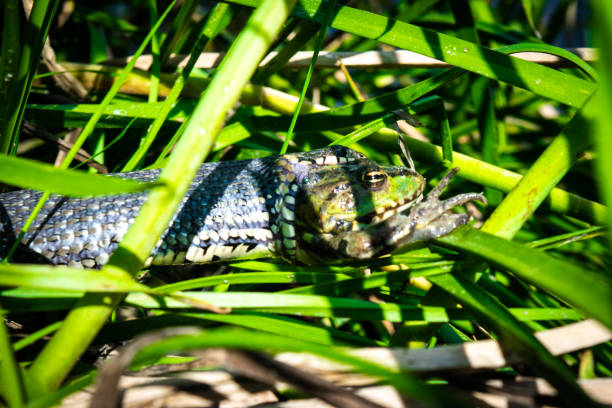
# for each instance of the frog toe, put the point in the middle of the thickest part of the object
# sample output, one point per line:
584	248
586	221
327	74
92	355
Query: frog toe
440	227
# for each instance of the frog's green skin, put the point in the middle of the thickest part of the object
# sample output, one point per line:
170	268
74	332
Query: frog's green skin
320	206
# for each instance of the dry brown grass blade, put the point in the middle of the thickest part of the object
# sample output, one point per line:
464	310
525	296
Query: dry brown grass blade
367	59
484	354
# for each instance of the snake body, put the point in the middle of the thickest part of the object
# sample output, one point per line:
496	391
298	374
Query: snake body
233	209
312	207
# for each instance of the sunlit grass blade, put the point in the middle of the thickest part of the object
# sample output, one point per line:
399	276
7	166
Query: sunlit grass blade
37	335
327	306
35	175
66	278
116	114
603	32
550	49
251	278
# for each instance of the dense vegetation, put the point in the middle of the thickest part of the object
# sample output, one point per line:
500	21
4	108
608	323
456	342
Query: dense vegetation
534	259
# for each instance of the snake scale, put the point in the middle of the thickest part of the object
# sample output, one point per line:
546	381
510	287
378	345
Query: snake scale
312	207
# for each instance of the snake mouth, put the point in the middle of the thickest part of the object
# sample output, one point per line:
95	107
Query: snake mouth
382	213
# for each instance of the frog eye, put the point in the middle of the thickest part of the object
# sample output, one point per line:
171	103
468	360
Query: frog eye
374	179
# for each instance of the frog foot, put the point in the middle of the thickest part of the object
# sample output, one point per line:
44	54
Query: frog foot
428	219
431	218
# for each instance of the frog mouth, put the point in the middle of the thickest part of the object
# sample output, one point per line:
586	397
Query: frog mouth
382	213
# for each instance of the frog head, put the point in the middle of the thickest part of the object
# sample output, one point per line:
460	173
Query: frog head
340	198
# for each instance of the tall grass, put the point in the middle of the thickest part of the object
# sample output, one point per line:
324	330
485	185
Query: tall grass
518	130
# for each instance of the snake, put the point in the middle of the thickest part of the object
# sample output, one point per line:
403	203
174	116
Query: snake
313	207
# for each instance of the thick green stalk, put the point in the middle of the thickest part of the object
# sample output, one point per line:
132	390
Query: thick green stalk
544	174
84	322
604	120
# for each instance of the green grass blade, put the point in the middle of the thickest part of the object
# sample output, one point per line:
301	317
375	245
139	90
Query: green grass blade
365	130
55	398
11	386
280	325
180	27
286	326
375	280
550	49
360	112
155	66
37	335
66	278
251	278
211	27
329	12
584	289
117	114
38	176
36	30
327	306
303	34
